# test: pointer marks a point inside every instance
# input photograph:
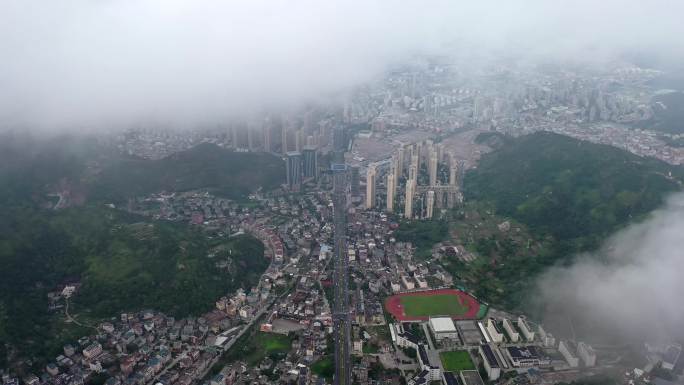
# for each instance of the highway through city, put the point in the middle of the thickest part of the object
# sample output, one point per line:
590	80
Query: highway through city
341	318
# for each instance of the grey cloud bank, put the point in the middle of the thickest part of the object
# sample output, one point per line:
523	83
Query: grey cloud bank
83	64
631	289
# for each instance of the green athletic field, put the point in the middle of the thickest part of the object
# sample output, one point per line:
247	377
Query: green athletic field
433	305
456	361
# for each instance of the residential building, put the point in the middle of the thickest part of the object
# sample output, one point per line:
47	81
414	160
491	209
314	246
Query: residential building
408	203
294	170
310	156
570	357
525	328
391	191
526	356
548	340
430	204
370	186
493	331
432	169
586	353
434	372
491	365
93	350
513	334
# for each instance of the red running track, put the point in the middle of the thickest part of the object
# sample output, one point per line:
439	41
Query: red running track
394	307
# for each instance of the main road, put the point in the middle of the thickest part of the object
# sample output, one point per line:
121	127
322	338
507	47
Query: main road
341	318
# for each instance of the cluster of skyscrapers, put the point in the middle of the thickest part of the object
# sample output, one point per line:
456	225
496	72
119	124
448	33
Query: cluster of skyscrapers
279	133
296	138
419	166
301	166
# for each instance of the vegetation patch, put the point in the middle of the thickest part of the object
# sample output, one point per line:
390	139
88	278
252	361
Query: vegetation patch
370	348
562	197
422	234
456	361
325	367
255	346
207	166
575	191
274	343
123	263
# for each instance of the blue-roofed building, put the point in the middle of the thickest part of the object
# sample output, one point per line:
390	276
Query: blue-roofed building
422	378
449	378
433	369
525	356
490	362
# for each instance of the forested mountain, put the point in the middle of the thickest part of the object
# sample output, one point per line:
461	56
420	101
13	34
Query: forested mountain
575	191
226	173
123	263
30	168
569	194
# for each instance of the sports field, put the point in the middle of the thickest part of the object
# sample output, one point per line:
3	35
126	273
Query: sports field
456	361
438	304
420	306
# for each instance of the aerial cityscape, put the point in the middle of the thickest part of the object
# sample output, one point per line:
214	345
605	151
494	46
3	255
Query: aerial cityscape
407	215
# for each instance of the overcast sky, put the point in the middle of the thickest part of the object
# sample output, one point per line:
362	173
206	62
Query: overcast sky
87	63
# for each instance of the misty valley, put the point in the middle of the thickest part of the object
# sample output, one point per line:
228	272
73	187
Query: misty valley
312	193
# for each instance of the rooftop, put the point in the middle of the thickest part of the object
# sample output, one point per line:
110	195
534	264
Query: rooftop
471	377
489	355
527	352
450	379
442	325
672	354
423	355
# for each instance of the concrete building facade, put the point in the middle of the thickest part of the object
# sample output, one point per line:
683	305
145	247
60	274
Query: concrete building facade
565	349
443	328
391	191
491	365
371	176
513	334
586	353
525	328
496	336
430	204
294	170
408	200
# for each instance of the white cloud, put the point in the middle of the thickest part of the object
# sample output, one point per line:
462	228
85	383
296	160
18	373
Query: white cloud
83	63
632	287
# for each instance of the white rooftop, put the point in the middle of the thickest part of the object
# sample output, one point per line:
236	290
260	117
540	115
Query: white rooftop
442	325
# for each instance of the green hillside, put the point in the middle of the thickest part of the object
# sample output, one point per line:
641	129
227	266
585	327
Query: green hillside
569	194
226	173
31	167
576	191
423	234
123	262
